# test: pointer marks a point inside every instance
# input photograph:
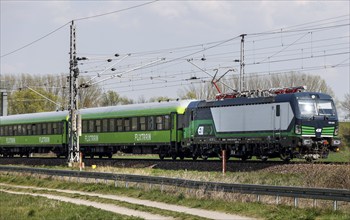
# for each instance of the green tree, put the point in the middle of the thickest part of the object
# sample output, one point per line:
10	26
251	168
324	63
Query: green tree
27	101
111	98
160	99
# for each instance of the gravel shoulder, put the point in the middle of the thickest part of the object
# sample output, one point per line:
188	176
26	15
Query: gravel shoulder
125	211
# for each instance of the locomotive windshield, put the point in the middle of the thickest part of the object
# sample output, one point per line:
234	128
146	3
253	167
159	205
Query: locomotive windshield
312	107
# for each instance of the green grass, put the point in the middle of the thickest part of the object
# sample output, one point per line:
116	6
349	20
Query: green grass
17	207
182	197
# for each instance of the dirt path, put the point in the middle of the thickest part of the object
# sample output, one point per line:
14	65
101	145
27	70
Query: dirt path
159	205
103	206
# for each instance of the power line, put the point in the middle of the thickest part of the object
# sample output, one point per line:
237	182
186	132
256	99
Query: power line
117	11
33	42
79	19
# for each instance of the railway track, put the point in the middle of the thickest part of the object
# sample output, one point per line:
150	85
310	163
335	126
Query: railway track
199	165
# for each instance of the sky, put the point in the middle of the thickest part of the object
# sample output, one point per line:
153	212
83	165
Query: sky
311	37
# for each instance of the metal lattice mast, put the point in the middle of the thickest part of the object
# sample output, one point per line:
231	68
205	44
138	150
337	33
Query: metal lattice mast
73	144
241	72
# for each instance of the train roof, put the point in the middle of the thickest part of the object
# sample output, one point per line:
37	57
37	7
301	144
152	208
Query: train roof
156	108
143	109
34	118
257	100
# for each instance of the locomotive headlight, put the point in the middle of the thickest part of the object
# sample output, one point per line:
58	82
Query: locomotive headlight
298	129
336	131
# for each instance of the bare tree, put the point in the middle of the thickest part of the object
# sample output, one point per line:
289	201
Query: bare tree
346	104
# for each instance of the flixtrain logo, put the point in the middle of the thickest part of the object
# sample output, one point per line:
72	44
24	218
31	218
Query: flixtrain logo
318	130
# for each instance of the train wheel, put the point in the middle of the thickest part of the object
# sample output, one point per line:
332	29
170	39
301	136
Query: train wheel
264	158
194	157
204	157
161	156
182	157
173	156
285	157
92	156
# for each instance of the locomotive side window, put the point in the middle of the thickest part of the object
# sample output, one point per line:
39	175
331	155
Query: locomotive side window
278	110
2	131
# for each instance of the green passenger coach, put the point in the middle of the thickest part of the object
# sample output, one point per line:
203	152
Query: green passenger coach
149	128
33	133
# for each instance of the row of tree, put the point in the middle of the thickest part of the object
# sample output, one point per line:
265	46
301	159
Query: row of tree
23	91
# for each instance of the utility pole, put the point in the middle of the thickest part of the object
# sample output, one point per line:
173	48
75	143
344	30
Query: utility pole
241	72
73	142
3	102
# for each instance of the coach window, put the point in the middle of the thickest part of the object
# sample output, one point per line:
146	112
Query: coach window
49	128
15	133
44	129
91	126
111	125
55	128
134	124
24	129
2	130
159	123
29	129
105	125
150	123
120	124
85	126
98	126
166	122
33	129
126	124
142	123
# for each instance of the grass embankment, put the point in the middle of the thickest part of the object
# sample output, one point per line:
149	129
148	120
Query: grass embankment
17	207
197	199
